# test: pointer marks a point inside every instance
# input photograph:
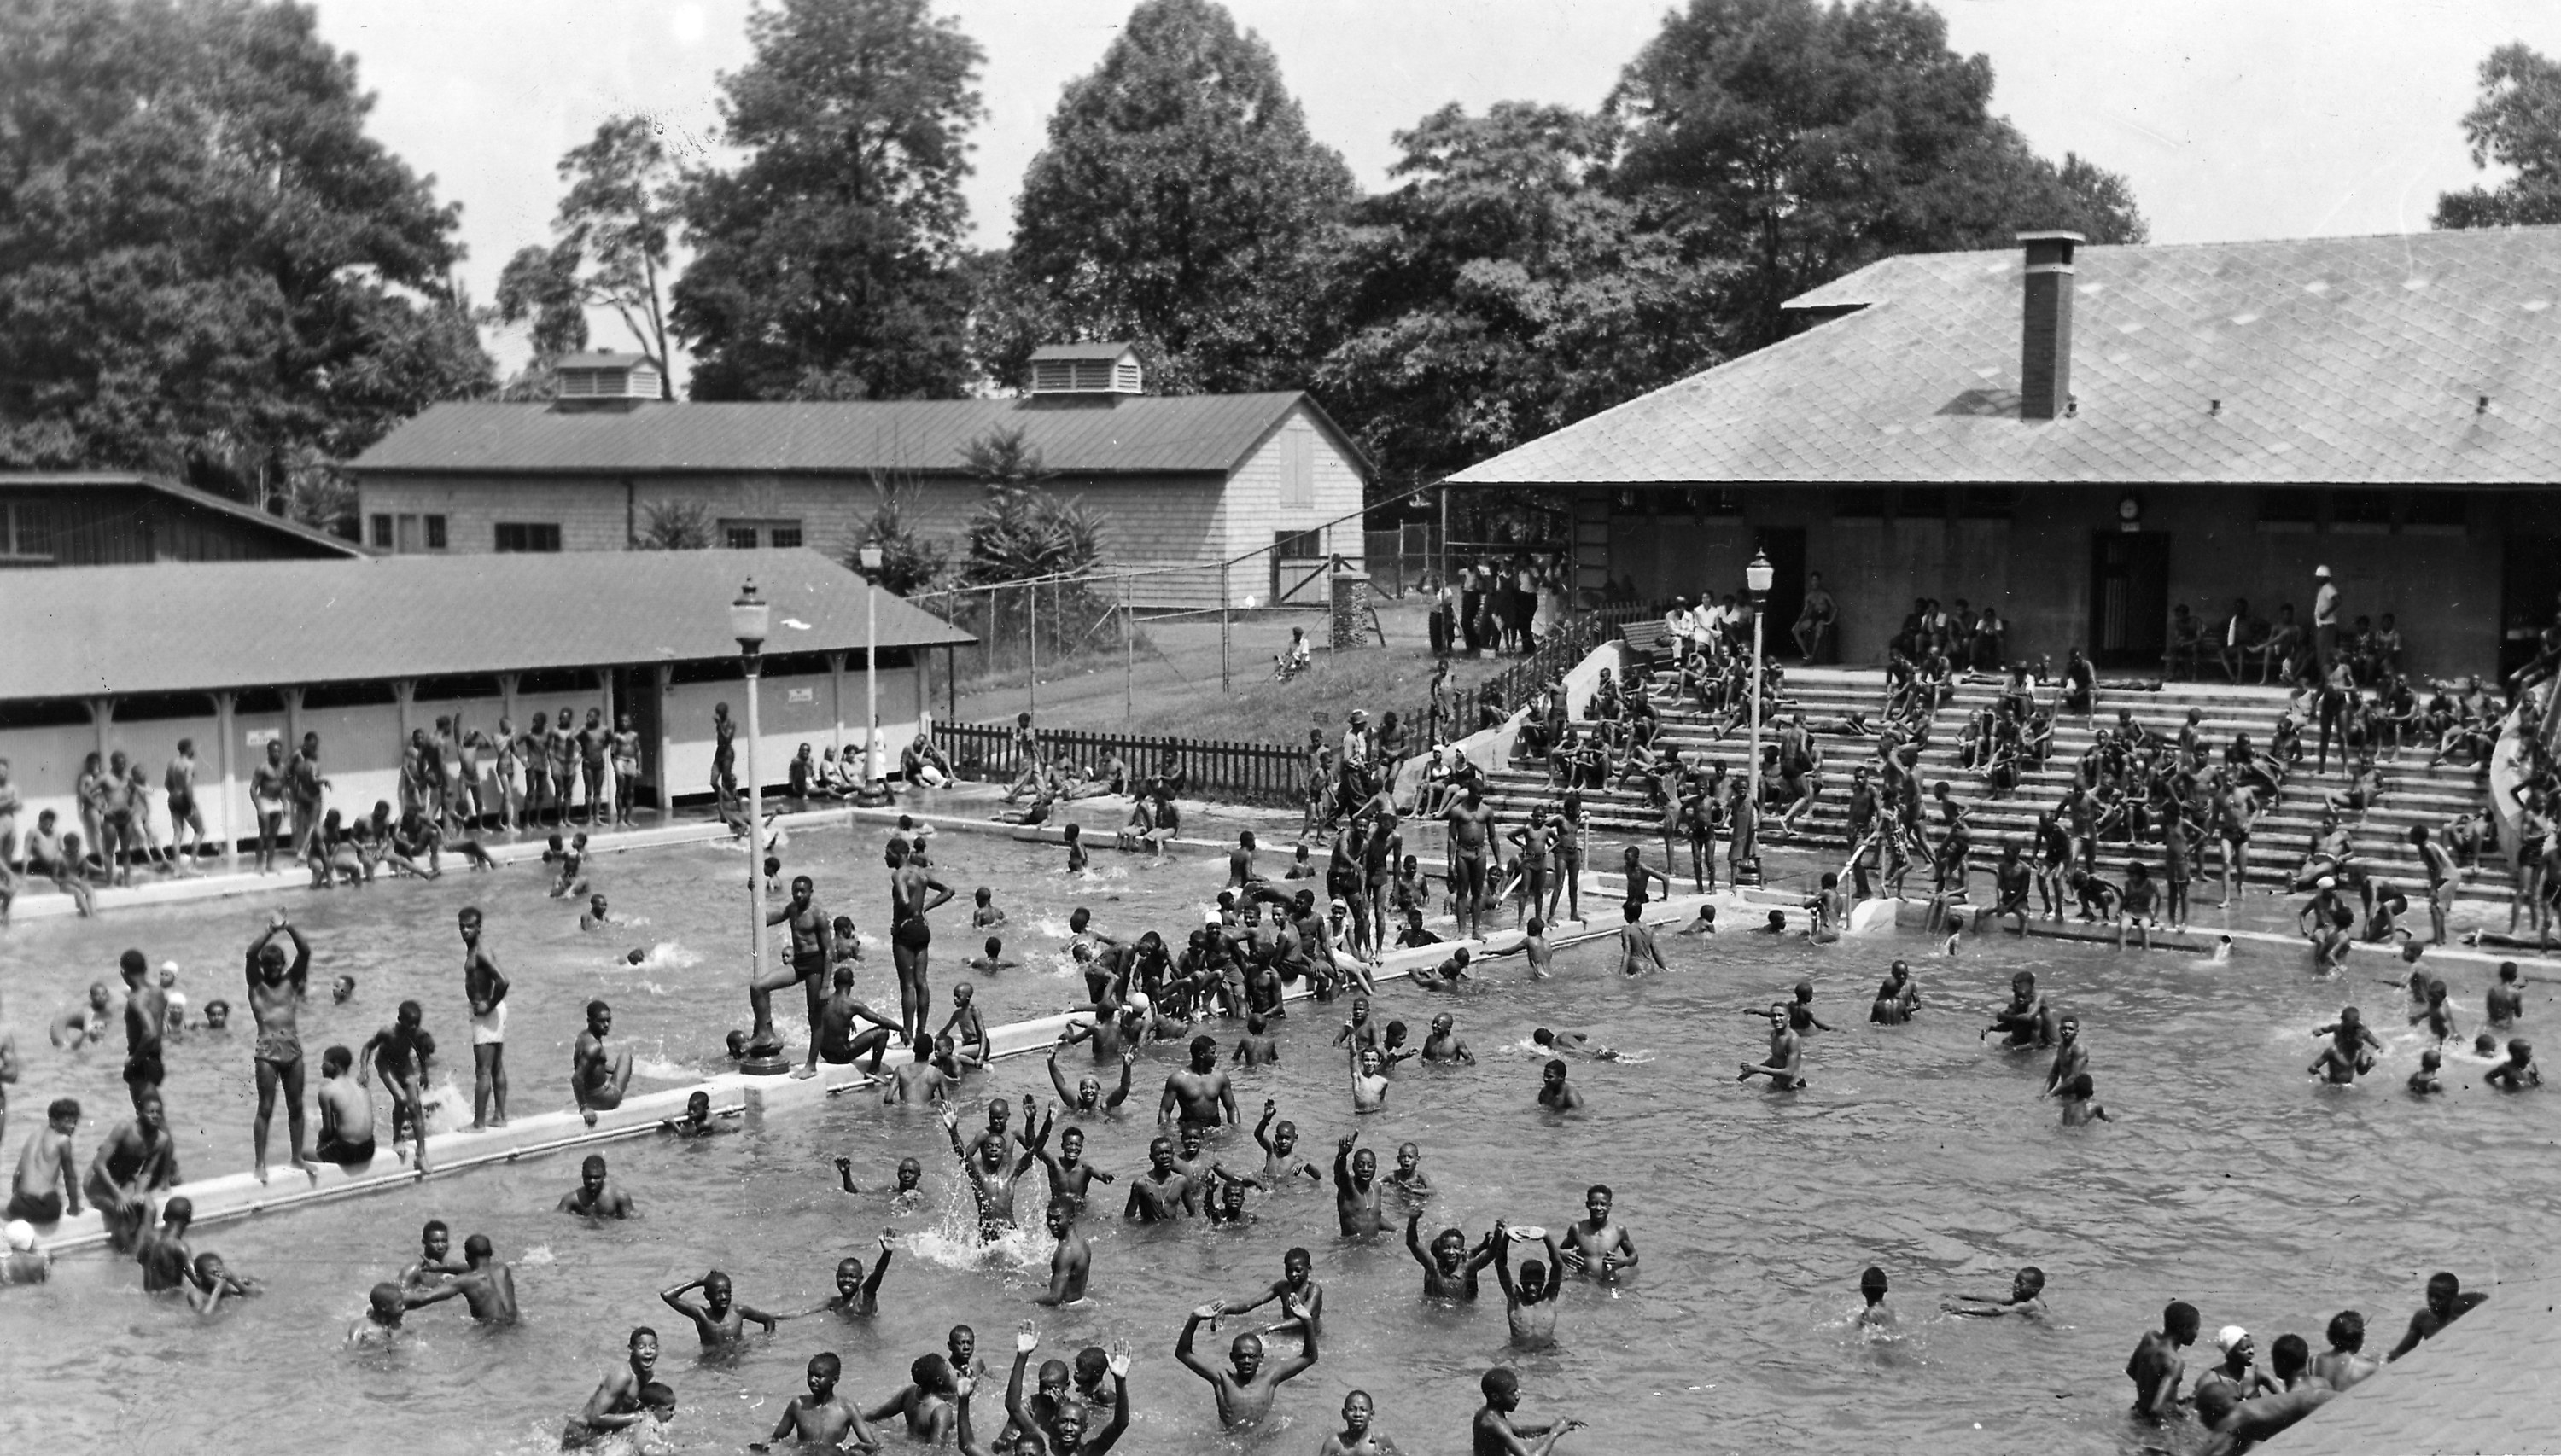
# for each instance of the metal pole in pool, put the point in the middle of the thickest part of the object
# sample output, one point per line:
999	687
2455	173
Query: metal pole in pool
749	619
1756	580
871	664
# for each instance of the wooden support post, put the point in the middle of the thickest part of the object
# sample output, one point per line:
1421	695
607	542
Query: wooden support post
836	698
665	680
224	726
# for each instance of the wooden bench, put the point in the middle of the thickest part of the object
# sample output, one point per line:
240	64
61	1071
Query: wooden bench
1648	641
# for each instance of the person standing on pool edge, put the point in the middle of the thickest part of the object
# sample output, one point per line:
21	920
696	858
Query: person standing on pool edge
813	950
1471	832
486	990
275	993
911	878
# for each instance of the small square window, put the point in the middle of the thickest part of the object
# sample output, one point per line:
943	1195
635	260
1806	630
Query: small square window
787	536
382	525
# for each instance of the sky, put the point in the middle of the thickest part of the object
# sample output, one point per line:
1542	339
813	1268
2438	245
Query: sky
2232	118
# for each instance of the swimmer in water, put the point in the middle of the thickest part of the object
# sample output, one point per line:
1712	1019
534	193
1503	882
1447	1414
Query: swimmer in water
2026	1298
594	1196
2517	1072
1529	1302
720	1321
1494	1432
822	1420
1875	1314
380	1324
1245	1389
2079	1106
1369	1080
1356	1438
1554	1092
1787	1055
1637	953
1572	1043
697	1121
1598	1243
2350	1054
1281	1160
993	960
1705	925
983	913
616	1404
908	1186
342	990
595	917
2424	1081
857	1297
1898	996
1449	1267
2071	1058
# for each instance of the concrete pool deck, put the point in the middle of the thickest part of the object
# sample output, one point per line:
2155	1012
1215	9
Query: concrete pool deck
2484	1384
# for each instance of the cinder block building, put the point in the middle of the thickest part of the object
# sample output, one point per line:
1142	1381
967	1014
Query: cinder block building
1177	480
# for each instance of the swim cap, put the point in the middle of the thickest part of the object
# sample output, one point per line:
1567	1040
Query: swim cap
1209	918
2229	1336
169	966
2328	883
20	1235
1139	1002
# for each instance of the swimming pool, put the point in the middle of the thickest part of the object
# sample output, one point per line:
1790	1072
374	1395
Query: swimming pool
2230	1181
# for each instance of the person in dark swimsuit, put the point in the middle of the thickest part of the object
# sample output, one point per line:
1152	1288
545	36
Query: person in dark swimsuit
724	757
910	880
346	1114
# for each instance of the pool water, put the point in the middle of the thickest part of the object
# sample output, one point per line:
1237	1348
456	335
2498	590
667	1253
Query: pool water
2230	1181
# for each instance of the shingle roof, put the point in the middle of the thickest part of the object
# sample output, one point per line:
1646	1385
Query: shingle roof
200	626
187	496
1153	435
2485	1385
2335	359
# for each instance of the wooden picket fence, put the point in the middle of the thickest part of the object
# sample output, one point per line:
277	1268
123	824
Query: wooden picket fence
1257	773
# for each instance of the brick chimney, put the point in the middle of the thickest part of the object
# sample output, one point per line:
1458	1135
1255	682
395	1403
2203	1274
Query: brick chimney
2045	337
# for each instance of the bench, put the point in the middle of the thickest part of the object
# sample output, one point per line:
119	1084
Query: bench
1648	641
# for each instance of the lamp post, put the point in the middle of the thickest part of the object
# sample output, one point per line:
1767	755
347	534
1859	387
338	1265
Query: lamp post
871	559
750	618
1756	582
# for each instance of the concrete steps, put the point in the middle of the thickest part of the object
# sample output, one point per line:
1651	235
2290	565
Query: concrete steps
2414	793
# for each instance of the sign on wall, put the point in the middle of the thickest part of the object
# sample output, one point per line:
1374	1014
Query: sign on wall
261	737
799	695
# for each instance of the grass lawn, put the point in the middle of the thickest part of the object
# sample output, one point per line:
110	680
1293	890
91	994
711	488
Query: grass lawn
1172	688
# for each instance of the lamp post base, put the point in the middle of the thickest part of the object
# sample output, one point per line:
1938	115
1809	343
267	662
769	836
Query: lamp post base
765	1064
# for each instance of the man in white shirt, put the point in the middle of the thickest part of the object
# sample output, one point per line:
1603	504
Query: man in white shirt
2325	619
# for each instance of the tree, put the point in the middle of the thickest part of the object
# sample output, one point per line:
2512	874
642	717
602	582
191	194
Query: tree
1021	529
1500	295
1802	143
674	526
207	267
908	563
1176	205
829	265
2515	124
610	243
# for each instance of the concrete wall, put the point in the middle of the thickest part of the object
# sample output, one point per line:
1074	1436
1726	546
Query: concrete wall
2444	583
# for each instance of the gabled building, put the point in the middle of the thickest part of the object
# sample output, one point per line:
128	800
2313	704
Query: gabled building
1177	480
2086	437
116	518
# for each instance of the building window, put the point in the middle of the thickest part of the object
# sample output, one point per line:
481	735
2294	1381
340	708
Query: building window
529	535
1298	469
382	532
436	533
749	535
1297	546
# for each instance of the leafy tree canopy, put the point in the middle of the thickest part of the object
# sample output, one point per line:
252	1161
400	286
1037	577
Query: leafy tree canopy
611	240
1177	204
1801	142
207	267
1499	295
2516	124
829	265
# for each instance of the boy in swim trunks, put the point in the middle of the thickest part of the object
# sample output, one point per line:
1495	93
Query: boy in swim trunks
275	992
597	1078
47	1184
486	990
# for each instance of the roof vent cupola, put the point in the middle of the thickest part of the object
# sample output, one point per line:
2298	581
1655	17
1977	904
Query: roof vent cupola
1087	369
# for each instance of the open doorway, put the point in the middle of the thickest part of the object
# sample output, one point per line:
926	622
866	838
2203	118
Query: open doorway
1786	547
2529	587
636	692
2129	598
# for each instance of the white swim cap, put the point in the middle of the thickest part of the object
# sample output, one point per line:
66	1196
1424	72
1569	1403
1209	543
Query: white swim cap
169	968
2229	1336
2327	882
1139	1002
22	1235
